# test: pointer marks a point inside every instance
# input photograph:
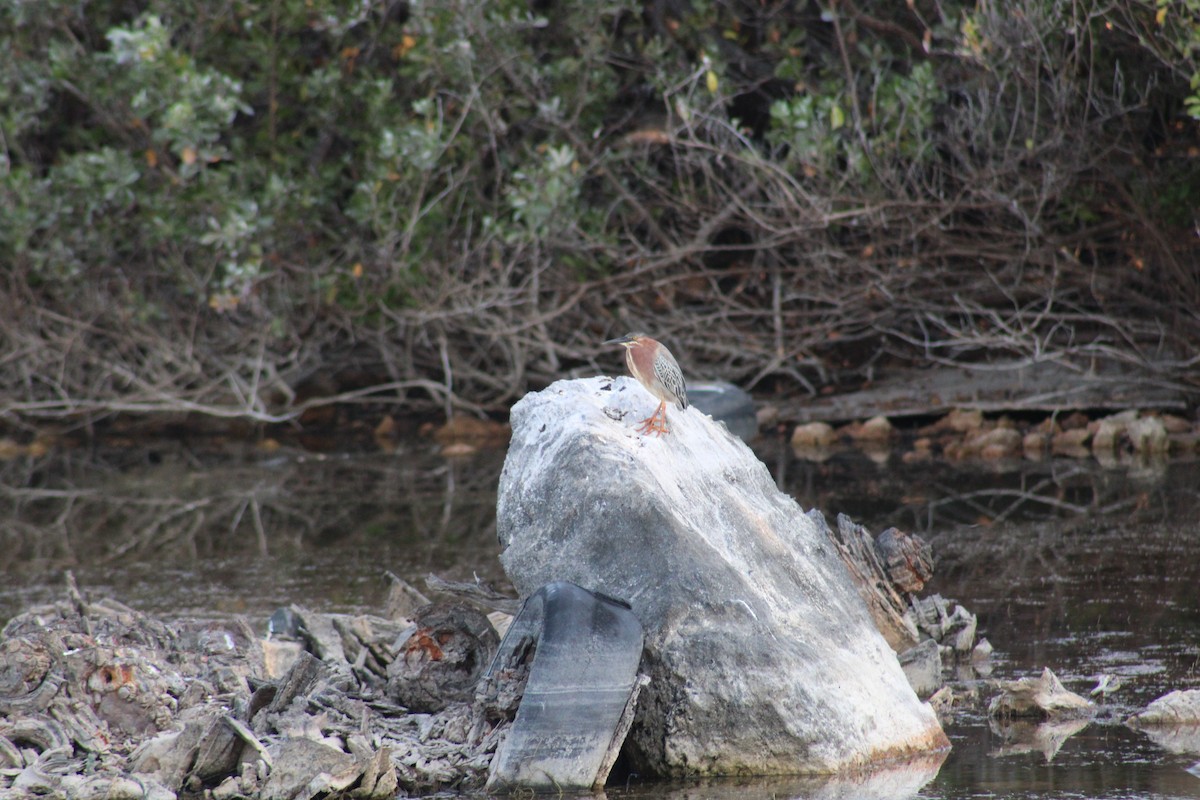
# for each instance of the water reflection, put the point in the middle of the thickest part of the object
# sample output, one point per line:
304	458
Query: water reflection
888	782
179	530
881	489
1086	569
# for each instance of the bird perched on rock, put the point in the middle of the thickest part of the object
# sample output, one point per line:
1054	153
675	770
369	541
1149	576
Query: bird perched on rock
656	369
1106	684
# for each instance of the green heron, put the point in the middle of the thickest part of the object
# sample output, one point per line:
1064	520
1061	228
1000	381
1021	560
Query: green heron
656	369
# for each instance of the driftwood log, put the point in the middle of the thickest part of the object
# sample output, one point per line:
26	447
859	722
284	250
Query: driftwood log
887	572
925	632
1047	386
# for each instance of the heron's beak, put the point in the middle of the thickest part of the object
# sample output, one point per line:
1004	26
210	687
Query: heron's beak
620	340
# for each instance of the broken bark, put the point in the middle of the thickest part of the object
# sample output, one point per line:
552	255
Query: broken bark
871	567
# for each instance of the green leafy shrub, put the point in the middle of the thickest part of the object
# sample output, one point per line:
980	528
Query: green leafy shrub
209	200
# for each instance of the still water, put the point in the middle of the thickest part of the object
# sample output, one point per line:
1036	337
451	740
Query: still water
1083	568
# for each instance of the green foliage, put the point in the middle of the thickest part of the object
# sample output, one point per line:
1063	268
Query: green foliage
816	132
286	161
1179	23
208	141
187	108
806	124
548	190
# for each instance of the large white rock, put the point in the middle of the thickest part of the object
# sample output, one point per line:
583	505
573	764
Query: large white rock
762	656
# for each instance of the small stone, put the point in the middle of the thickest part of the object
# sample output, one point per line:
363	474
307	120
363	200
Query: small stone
876	429
227	789
767	416
1186	442
386	428
1105	436
279	655
942	702
298	762
957	422
1148	436
813	435
963	420
1074	421
1071	442
922	666
996	444
960	630
10	450
1034	445
1049	427
1175	424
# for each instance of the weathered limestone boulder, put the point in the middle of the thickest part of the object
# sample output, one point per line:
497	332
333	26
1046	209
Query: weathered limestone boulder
1172	722
762	656
1043	697
1181	707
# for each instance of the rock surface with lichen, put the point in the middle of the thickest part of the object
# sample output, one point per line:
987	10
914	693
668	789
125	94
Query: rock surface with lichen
763	658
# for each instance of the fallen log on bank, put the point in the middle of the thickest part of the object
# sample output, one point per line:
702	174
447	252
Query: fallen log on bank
1046	386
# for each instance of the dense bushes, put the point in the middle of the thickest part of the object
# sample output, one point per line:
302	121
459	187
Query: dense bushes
206	200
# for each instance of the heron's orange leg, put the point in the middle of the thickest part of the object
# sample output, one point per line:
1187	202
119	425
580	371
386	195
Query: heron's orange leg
653	424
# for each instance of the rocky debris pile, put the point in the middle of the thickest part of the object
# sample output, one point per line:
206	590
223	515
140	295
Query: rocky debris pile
1039	714
949	624
98	700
